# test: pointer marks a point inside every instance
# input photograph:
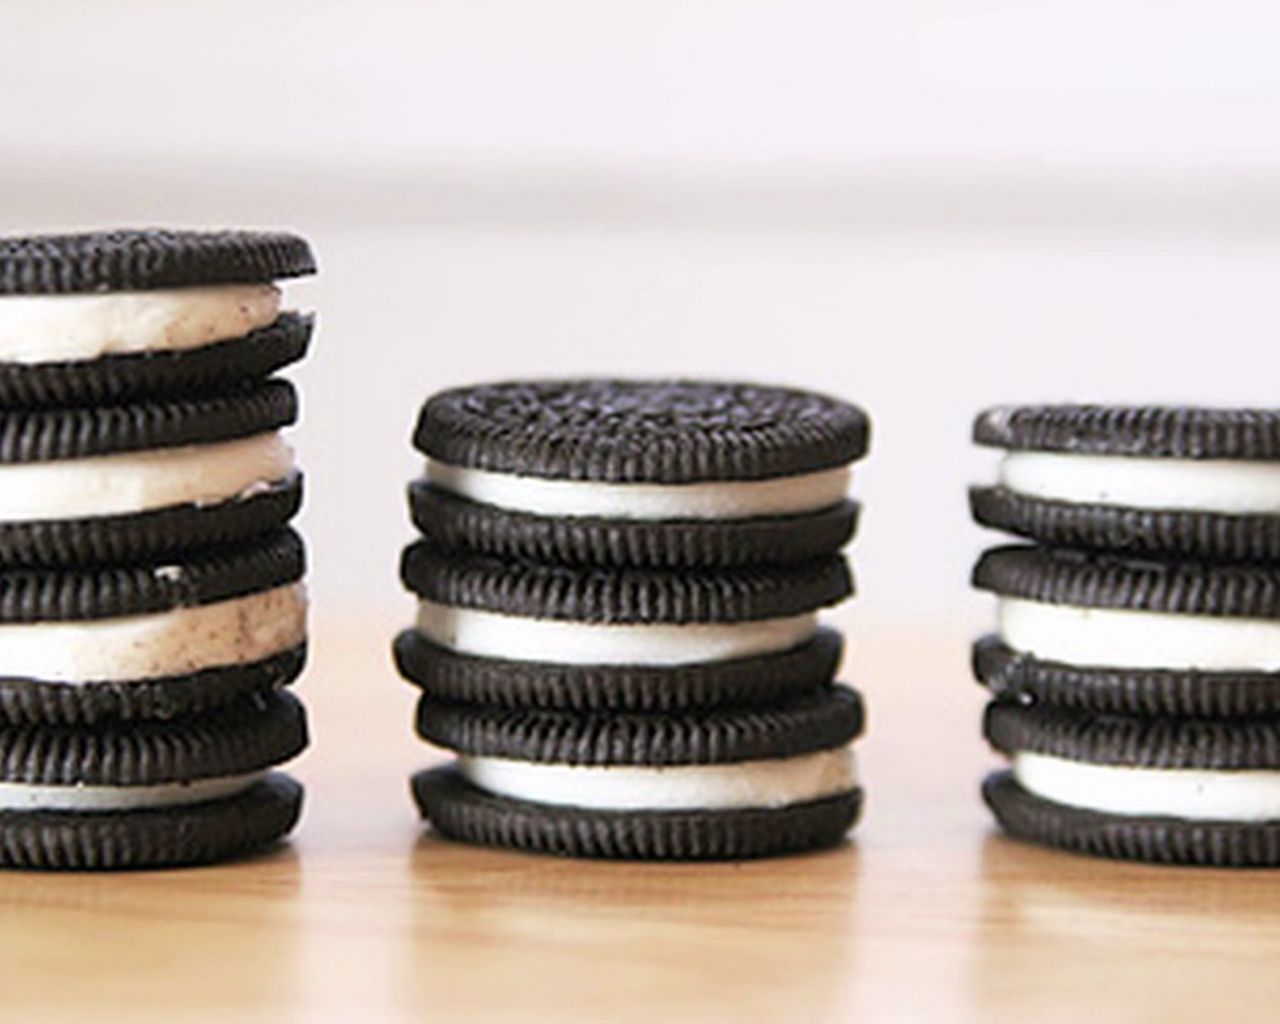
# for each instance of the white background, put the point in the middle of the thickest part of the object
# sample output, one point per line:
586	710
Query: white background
922	206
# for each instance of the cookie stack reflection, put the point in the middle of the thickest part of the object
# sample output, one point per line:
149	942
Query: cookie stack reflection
1135	671
152	609
619	586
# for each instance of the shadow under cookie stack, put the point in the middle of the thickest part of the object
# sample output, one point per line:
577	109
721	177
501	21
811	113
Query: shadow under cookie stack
1135	674
617	632
151	604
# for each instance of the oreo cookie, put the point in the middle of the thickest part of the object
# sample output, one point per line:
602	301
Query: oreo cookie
152	641
44	435
131	260
1178	481
175	373
1170	621
1181	791
463	812
149	795
145	482
666	474
731	784
577	636
446	675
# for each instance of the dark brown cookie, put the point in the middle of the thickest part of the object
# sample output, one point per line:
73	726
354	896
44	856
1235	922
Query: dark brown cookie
189	834
446	675
1181	432
173	532
1099	580
1134	741
249	735
1023	678
657	431
450	521
1157	840
29	595
594	595
823	719
139	376
44	435
159	698
1126	530
149	258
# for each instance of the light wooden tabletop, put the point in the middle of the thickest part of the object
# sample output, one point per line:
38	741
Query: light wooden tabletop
926	915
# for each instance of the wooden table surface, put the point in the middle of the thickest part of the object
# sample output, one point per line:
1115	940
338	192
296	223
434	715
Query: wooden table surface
925	915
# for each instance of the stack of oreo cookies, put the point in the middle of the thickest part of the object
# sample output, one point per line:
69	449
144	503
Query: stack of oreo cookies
151	604
619	585
1135	674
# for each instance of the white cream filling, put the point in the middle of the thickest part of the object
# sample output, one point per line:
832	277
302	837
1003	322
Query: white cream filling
1190	794
126	482
776	782
175	642
731	499
1211	485
21	796
57	328
495	635
1119	638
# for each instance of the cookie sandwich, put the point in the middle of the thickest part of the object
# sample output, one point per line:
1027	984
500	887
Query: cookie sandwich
1157	480
729	784
673	474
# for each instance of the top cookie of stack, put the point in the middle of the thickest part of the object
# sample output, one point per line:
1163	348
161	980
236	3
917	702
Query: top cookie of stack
135	423
1141	480
664	474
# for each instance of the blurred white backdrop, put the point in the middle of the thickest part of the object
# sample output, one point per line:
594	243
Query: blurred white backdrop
923	206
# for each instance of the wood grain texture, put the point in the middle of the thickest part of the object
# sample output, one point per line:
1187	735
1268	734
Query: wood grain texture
926	915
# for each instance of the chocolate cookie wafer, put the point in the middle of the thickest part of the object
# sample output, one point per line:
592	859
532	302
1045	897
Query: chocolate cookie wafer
1181	791
191	791
446	674
152	641
211	368
519	633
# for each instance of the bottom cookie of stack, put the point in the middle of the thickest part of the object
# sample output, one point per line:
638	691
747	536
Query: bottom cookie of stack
1166	790
732	784
135	795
